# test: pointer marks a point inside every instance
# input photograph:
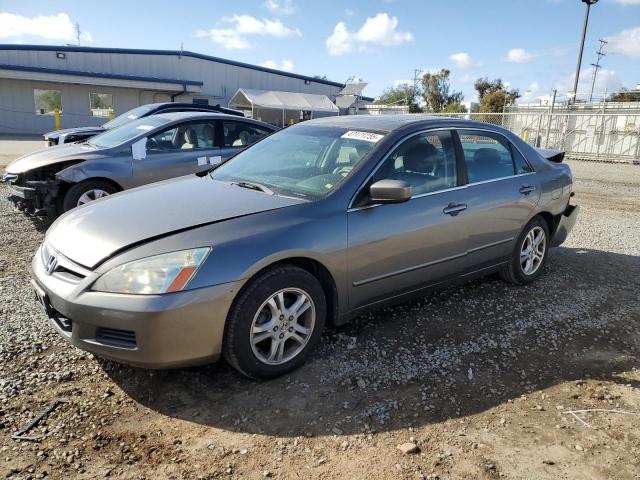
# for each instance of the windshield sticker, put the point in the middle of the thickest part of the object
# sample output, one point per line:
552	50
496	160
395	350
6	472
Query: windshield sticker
366	136
146	128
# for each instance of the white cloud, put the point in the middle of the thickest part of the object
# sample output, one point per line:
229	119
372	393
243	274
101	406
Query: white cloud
51	27
462	60
379	30
530	93
519	55
626	42
606	81
285	65
280	7
243	26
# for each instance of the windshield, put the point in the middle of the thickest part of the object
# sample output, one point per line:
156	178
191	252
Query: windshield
128	116
304	161
119	135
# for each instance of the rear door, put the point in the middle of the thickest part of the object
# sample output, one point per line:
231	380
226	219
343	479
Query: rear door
396	248
178	150
236	135
502	192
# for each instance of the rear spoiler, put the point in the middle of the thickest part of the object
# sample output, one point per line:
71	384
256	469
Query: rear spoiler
552	155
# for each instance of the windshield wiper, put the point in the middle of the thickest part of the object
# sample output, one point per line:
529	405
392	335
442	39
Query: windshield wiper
254	186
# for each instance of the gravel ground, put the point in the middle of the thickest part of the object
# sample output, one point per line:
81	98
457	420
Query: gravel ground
472	382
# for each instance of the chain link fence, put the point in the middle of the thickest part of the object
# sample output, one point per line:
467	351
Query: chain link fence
605	136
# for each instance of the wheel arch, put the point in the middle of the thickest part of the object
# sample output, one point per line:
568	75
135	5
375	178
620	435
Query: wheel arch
66	185
315	268
549	219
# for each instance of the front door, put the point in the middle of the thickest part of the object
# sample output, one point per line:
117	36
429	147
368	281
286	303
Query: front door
397	248
503	193
179	150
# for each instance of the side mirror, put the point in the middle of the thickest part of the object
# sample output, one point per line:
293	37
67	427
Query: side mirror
390	191
139	149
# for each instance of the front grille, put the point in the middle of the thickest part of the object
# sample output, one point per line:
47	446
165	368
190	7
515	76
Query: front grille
65	268
116	338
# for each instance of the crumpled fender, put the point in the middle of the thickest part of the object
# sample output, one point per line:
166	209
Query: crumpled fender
73	173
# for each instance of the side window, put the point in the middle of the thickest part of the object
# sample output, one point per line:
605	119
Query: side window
521	164
426	161
487	156
183	137
240	134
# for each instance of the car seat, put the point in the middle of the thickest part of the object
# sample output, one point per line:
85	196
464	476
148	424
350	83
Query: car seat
190	139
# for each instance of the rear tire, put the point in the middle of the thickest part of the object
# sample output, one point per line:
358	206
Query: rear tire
275	323
86	191
529	254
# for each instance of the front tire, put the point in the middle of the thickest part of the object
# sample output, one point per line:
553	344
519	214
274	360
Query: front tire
85	192
529	254
275	323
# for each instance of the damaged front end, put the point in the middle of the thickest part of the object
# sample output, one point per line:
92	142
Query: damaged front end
36	192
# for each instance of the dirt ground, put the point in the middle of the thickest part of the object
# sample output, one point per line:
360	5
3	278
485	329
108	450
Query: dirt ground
480	378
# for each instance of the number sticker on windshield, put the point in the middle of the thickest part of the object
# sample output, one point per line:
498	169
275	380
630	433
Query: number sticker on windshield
366	136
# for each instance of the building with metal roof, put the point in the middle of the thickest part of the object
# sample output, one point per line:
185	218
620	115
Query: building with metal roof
88	84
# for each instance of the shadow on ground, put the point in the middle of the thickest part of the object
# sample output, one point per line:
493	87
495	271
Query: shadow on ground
409	365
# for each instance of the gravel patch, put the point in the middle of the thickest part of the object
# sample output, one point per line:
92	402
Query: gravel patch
472	380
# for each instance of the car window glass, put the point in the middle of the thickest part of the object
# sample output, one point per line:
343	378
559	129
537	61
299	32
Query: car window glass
487	156
241	134
521	164
183	137
426	161
302	161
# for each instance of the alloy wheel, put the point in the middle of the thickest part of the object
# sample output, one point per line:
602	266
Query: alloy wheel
91	195
282	326
533	250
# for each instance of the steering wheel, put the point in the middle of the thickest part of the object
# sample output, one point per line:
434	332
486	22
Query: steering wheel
152	144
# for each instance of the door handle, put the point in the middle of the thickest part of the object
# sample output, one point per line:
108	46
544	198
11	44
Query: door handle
527	189
454	209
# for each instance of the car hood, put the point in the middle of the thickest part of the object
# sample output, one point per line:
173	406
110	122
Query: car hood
58	133
51	156
94	232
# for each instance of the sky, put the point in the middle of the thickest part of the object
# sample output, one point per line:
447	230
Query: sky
530	44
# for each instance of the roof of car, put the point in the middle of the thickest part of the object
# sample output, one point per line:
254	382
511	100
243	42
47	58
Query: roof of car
177	116
384	123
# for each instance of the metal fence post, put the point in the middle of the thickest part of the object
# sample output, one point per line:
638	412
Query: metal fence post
553	104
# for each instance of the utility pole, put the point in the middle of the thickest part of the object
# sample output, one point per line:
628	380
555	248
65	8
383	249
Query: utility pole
416	75
588	4
596	66
78	32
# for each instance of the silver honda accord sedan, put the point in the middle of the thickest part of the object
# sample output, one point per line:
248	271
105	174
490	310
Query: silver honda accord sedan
312	226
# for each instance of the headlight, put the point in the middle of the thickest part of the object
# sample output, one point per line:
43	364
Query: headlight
169	272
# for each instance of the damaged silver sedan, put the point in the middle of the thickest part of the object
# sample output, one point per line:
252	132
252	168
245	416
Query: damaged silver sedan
146	150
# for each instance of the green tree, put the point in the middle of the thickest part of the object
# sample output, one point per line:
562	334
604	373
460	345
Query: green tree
455	108
625	95
493	95
436	91
48	100
402	94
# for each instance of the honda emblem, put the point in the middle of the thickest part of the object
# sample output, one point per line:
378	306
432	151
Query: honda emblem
52	263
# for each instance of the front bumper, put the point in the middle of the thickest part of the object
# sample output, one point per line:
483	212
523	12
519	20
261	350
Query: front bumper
25	193
151	331
565	225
